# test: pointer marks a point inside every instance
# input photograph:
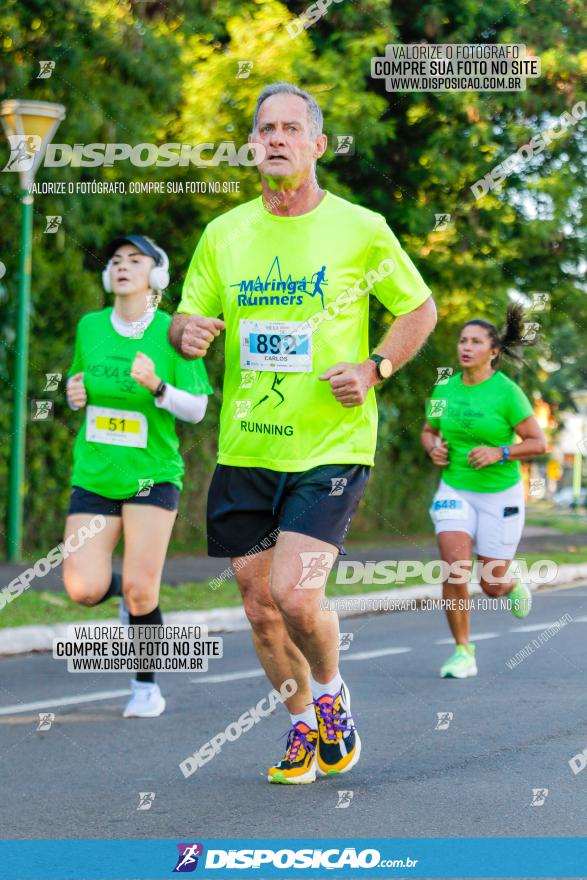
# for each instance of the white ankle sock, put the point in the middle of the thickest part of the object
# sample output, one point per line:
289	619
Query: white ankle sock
308	717
330	687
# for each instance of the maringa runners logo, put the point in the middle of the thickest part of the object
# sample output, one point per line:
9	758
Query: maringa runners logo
279	290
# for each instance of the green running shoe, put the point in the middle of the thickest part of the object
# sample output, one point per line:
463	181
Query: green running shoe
520	600
461	664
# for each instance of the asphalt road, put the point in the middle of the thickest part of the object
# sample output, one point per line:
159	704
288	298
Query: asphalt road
512	731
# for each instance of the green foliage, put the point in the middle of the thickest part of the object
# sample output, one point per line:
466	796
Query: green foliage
166	72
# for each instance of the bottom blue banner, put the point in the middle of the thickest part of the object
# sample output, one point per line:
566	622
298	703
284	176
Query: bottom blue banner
294	858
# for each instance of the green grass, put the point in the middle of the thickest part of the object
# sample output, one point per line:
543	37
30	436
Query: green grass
389	539
560	557
565	523
46	607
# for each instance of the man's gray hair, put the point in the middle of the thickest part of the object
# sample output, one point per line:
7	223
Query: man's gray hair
315	117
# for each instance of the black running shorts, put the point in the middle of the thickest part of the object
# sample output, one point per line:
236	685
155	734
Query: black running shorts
164	495
247	505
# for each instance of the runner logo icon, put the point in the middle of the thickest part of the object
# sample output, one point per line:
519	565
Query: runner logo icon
436	408
338	484
345	640
146	799
316	566
443	720
23	150
46	719
187	860
344	799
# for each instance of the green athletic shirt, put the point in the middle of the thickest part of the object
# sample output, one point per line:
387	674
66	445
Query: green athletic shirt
478	415
251	265
105	358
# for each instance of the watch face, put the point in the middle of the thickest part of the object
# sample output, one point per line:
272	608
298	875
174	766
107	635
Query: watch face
385	368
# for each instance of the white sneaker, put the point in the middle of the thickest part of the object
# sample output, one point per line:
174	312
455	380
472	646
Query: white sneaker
146	700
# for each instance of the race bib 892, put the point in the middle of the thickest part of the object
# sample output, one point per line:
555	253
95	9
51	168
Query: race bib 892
276	346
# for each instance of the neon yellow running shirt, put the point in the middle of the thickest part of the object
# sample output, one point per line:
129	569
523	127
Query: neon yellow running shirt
478	415
293	292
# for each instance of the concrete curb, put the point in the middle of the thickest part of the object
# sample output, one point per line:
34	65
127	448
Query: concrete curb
24	639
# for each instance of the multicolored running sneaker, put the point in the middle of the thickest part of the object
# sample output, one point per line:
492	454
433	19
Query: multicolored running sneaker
520	600
339	746
298	765
461	664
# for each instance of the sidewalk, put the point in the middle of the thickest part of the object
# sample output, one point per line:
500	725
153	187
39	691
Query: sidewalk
24	639
180	569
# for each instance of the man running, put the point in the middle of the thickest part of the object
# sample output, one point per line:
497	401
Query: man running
299	417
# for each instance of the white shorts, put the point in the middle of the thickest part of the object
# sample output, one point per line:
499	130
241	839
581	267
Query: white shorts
495	520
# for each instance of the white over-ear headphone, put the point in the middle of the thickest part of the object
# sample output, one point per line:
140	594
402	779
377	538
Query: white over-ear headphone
158	274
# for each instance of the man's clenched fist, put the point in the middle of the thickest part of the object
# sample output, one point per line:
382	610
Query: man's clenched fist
350	382
197	335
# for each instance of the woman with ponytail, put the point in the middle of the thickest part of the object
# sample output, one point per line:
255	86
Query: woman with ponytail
470	430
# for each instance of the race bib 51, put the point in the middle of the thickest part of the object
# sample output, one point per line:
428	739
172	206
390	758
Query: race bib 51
117	427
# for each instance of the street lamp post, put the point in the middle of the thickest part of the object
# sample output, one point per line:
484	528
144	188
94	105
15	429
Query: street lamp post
29	127
580	400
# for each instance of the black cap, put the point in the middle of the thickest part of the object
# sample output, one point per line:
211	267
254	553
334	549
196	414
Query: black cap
140	242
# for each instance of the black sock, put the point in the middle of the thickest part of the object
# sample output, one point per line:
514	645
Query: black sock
115	589
155	618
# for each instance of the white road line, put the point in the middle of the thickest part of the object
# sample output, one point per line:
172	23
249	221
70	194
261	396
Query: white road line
63	701
366	655
475	637
579	620
534	627
257	673
552	592
229	676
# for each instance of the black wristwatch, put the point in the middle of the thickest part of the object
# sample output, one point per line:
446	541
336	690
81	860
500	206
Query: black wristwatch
384	366
160	390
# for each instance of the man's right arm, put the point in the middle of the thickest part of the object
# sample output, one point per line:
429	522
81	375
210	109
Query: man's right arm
178	324
191	335
190	332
